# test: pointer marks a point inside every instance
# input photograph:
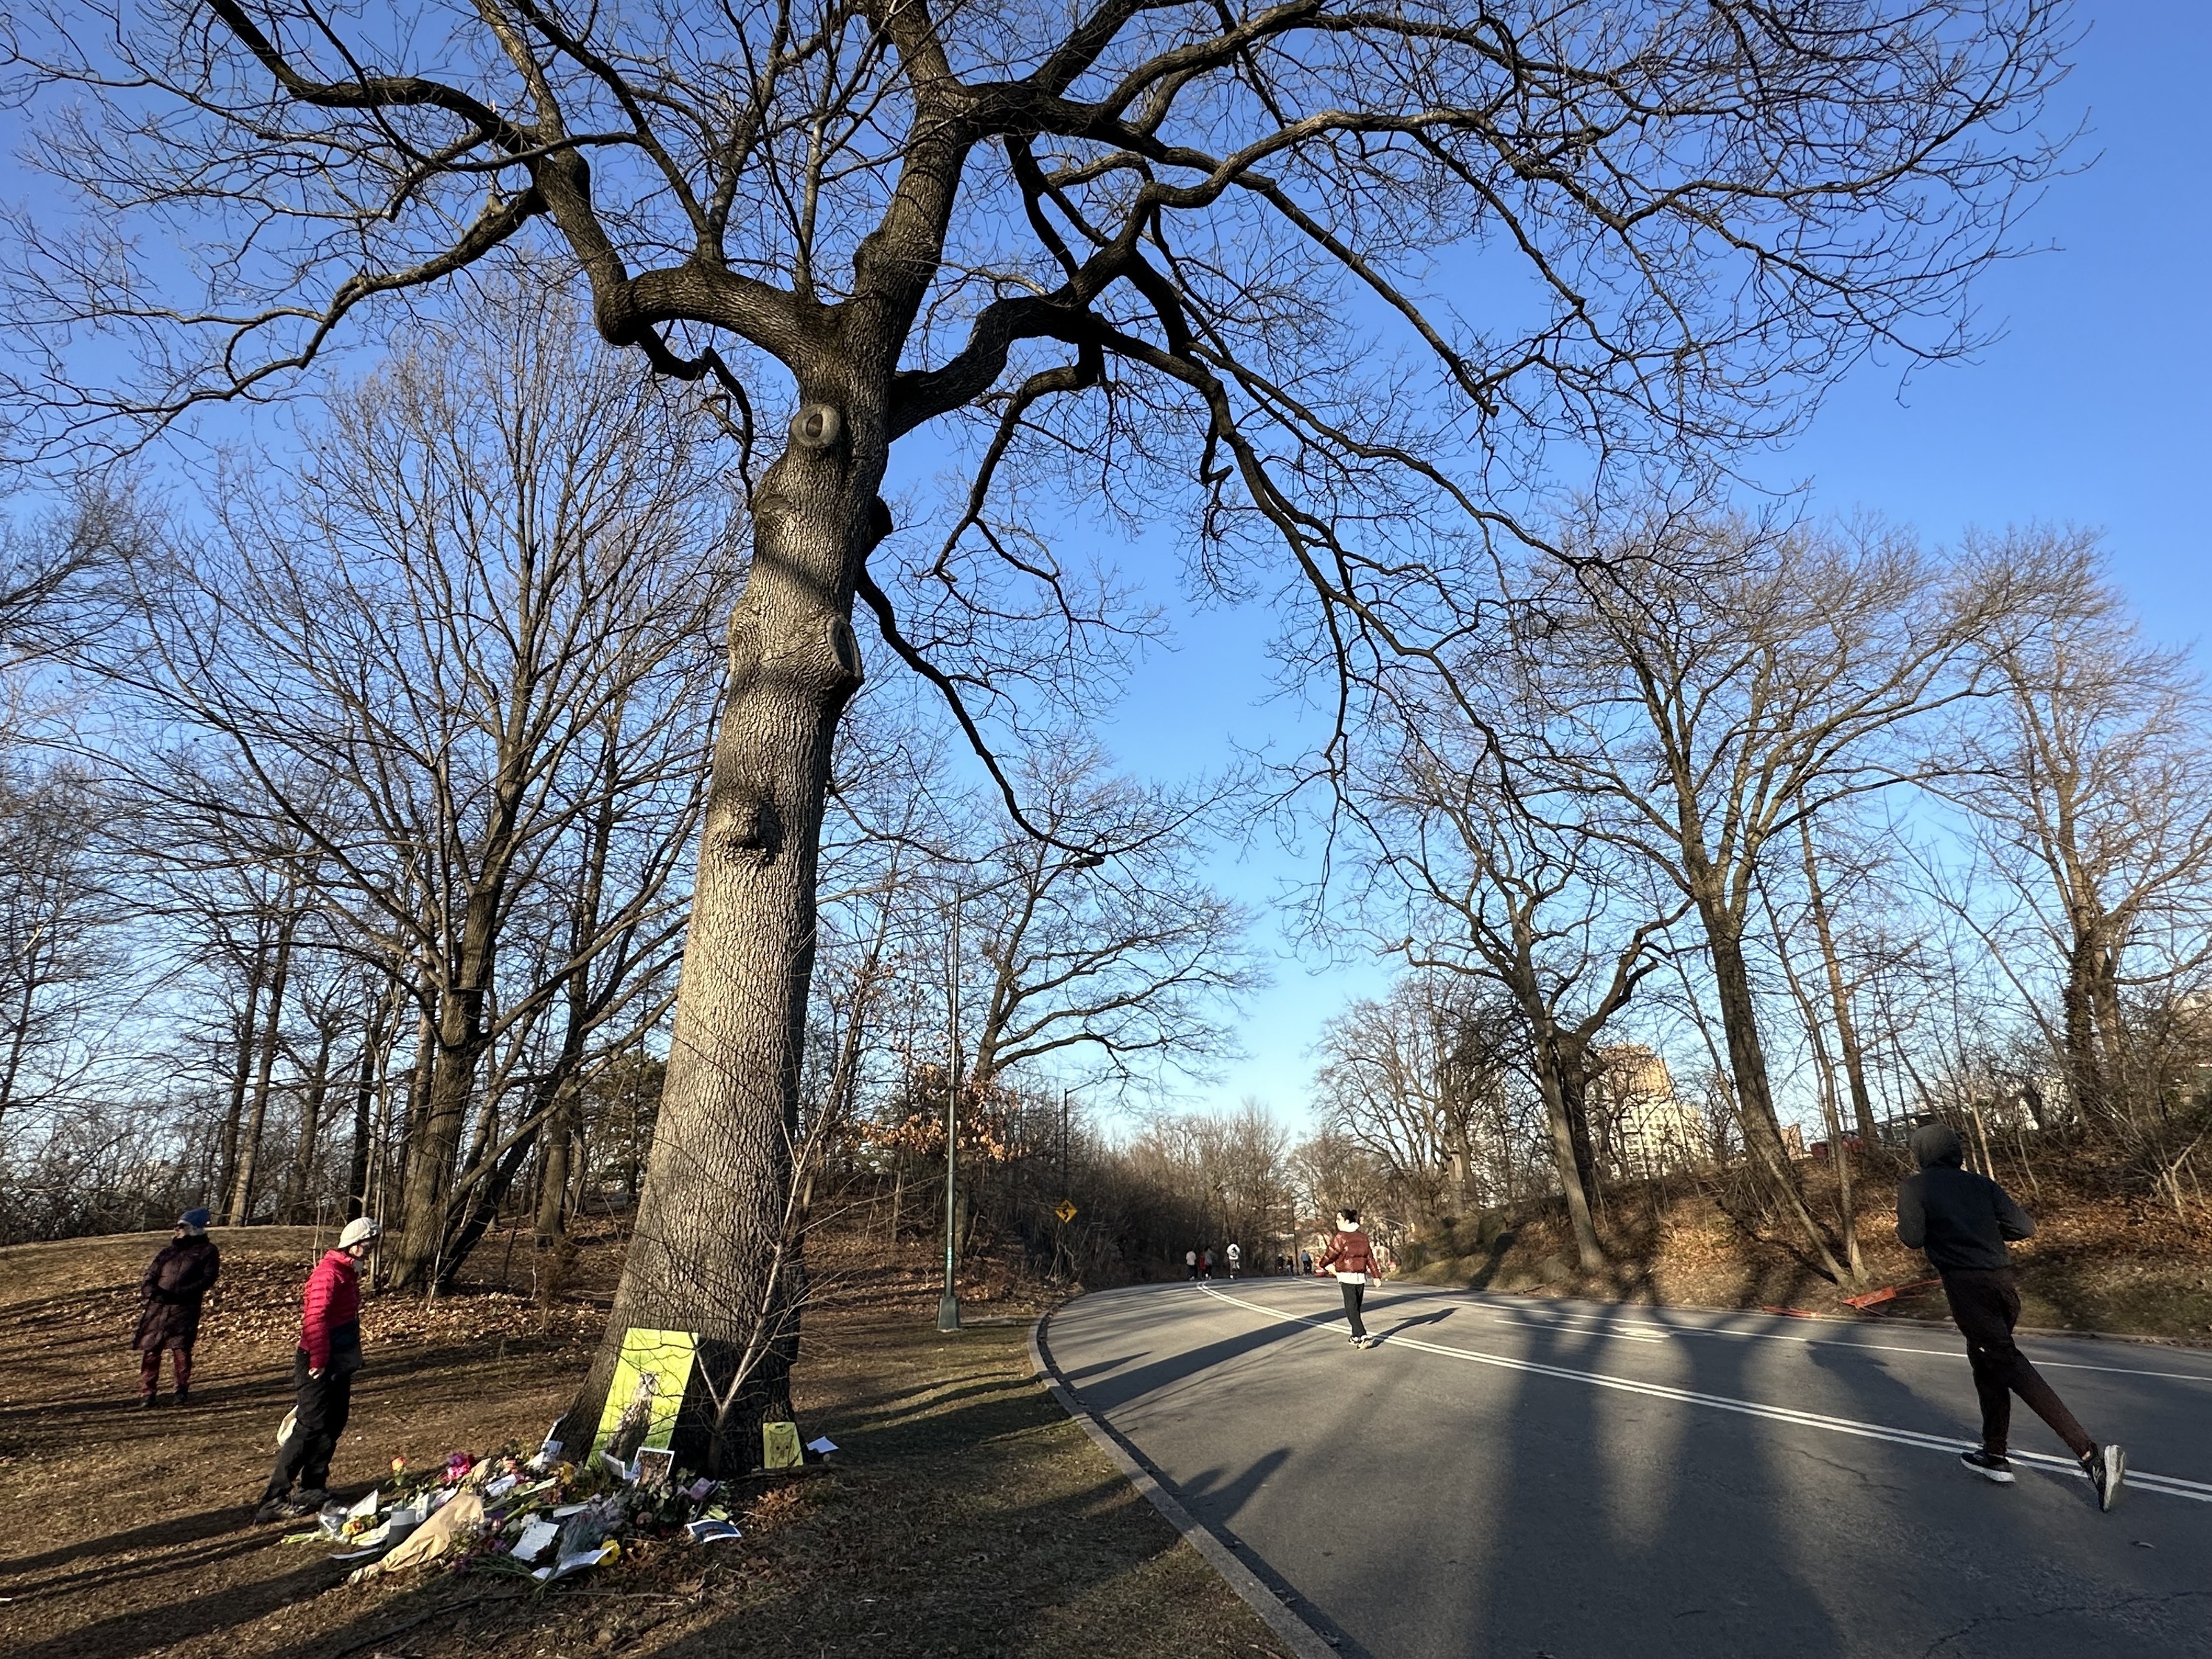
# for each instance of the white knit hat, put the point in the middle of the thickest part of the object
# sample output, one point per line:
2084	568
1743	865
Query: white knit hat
360	1230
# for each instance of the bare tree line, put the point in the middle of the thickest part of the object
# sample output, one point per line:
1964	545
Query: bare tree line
1908	832
1185	263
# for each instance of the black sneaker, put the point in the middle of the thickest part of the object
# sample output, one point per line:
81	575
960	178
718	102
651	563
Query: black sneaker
145	1402
276	1508
1989	1466
2107	1468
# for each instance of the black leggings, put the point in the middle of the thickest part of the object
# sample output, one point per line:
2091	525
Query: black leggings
1352	1295
1986	1305
323	1405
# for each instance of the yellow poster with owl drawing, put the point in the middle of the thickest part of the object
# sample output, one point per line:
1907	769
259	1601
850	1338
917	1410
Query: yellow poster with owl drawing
647	1393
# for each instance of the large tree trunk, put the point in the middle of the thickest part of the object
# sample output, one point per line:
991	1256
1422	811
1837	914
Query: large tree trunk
1762	1129
1567	1158
432	1143
2121	1094
2085	1073
715	1250
553	1172
1573	1064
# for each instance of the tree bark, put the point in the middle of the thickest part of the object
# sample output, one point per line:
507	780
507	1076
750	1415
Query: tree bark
364	1101
2085	1076
432	1143
714	1252
1762	1129
1567	1158
1847	1034
2121	1095
297	1196
249	1148
241	1072
553	1173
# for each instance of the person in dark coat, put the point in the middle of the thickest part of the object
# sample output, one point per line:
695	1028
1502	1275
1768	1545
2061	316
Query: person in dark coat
322	1375
1962	1220
177	1281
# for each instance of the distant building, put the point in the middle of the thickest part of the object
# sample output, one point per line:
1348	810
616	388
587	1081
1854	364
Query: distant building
1642	1127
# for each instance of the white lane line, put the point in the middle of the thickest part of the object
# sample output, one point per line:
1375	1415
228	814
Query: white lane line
1614	1331
2172	1485
1839	1342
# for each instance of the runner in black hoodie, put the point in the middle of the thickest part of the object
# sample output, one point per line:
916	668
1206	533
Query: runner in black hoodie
1962	1220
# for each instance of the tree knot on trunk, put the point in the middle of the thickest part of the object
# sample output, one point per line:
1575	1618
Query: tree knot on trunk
750	821
817	427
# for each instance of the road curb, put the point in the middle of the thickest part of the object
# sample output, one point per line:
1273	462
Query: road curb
1302	1638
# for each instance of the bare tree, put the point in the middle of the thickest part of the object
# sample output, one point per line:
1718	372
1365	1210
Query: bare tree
1184	249
1478	867
2089	784
1714	695
1420	1081
1113	971
61	947
461	669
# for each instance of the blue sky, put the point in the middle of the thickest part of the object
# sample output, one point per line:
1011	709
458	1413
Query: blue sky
2091	409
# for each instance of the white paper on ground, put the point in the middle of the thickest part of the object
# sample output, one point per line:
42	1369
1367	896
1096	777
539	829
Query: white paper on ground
580	1560
548	1454
366	1508
537	1538
826	1445
501	1487
441	1497
711	1532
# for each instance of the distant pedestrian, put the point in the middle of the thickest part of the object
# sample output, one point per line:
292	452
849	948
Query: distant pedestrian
1206	1264
1190	1260
1962	1220
1235	1260
322	1375
177	1281
1305	1263
1351	1256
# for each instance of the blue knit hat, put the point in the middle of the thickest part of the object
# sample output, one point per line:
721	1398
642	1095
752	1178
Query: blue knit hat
196	1220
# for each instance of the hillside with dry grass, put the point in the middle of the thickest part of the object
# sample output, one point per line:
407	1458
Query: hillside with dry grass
2104	1258
964	1514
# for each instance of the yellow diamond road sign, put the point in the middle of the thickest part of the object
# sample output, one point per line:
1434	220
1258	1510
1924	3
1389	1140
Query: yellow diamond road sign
1067	1210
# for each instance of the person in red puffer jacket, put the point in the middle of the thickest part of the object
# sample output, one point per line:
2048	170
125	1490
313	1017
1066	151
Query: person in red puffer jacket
1351	1256
322	1376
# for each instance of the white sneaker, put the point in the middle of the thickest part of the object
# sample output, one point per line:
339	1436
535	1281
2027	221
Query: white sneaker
2108	1471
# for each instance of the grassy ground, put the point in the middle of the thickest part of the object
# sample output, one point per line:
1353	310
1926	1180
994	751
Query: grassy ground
2101	1260
964	1514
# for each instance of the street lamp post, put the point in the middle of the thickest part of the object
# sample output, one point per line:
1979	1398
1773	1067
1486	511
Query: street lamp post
948	1303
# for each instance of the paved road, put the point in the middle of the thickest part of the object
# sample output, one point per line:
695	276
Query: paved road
1509	1477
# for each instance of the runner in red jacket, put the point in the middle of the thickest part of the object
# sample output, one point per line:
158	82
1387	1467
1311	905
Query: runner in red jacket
322	1376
